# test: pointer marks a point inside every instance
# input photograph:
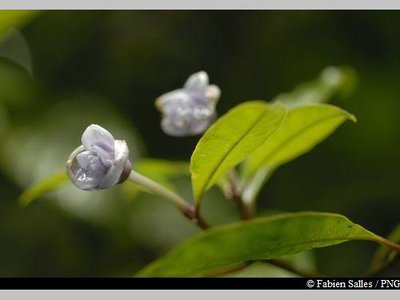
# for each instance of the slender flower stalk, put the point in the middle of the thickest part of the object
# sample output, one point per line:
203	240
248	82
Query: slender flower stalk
153	187
157	189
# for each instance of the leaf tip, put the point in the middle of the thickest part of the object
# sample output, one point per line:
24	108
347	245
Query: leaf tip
352	118
349	116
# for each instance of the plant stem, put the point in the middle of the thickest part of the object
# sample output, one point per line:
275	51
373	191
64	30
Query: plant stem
155	188
252	187
375	271
378	267
389	244
199	219
235	193
245	213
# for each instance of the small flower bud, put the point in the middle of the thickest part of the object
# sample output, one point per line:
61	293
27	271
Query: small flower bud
190	110
100	162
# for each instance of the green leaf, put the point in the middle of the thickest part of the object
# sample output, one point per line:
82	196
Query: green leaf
42	187
14	18
265	238
332	80
230	140
384	256
303	128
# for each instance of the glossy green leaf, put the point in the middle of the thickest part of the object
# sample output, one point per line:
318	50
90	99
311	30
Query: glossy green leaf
14	18
265	238
42	187
230	140
303	128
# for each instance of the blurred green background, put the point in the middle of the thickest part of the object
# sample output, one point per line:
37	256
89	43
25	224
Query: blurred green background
64	70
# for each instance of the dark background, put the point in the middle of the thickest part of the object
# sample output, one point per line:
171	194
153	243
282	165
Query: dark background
109	66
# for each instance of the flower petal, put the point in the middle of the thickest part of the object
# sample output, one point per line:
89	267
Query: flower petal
170	127
90	161
80	176
118	165
95	134
170	100
199	126
87	180
85	159
105	156
213	93
197	83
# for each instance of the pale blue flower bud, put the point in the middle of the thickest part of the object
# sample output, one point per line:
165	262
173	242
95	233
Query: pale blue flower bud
100	162
190	110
